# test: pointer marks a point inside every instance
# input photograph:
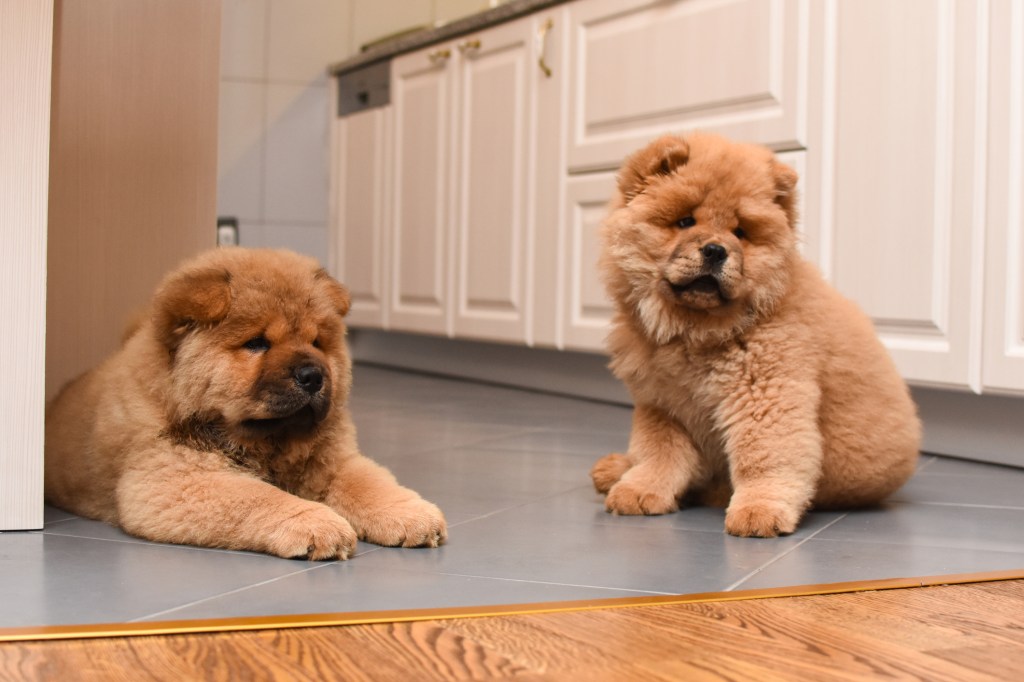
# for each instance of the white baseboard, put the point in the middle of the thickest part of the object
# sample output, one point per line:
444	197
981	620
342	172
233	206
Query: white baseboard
581	375
983	428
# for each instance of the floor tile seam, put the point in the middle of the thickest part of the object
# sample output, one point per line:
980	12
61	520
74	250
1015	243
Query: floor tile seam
901	542
418	451
236	590
158	545
967	505
932	459
734	586
547	582
516	506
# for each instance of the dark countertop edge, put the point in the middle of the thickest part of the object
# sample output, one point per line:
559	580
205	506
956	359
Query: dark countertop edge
414	41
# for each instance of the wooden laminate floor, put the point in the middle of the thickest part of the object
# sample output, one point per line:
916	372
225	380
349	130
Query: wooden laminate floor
959	632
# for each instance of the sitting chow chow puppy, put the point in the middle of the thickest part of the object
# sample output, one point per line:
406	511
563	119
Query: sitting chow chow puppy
755	383
222	421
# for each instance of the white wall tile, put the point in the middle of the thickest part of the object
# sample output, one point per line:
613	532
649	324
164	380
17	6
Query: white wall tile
295	180
243	39
308	239
373	20
251	235
304	36
240	150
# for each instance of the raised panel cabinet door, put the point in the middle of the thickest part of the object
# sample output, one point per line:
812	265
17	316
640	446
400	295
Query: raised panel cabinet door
493	167
419	289
586	311
898	156
359	252
1003	359
645	67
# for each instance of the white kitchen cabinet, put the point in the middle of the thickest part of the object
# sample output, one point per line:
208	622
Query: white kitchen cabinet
585	308
468	116
644	67
896	173
1003	360
360	173
420	246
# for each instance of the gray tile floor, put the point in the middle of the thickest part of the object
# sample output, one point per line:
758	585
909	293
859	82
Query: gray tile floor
510	470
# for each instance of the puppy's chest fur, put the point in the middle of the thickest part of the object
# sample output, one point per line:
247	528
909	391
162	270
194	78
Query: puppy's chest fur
704	389
279	463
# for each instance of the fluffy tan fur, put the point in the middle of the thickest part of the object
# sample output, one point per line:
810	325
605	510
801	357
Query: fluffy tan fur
755	383
222	421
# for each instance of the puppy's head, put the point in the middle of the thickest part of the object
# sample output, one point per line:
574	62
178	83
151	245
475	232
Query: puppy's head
255	342
700	237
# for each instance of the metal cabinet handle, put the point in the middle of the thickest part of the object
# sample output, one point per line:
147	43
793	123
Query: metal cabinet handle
469	46
439	57
542	40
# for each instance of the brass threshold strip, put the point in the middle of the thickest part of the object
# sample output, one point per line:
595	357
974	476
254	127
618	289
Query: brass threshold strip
314	620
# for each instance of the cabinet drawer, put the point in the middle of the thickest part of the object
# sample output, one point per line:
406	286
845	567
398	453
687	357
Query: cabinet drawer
645	67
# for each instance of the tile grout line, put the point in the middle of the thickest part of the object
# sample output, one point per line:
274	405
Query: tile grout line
546	582
229	592
792	549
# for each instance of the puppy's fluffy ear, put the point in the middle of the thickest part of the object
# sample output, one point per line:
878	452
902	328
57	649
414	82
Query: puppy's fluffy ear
659	158
785	189
337	293
190	299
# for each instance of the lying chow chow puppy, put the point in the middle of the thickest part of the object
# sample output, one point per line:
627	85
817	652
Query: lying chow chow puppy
222	421
755	383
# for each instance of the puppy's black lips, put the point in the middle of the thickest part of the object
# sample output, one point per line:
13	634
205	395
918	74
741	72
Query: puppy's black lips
706	284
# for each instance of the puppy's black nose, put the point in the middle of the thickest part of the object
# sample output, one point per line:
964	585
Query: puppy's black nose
309	378
714	253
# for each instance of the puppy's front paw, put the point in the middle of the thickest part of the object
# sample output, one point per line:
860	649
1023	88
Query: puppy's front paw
760	520
629	499
410	523
315	533
608	470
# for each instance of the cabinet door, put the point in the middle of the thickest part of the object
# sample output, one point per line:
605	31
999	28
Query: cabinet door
896	174
586	310
643	67
358	204
1003	363
493	166
421	95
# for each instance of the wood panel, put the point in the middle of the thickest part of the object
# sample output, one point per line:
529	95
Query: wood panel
948	633
360	155
493	160
26	39
586	310
900	157
133	165
1003	363
646	66
420	286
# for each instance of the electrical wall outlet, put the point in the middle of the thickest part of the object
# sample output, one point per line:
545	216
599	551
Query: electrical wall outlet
227	231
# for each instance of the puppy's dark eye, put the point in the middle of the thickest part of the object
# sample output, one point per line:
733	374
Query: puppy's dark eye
740	233
316	342
688	221
257	344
